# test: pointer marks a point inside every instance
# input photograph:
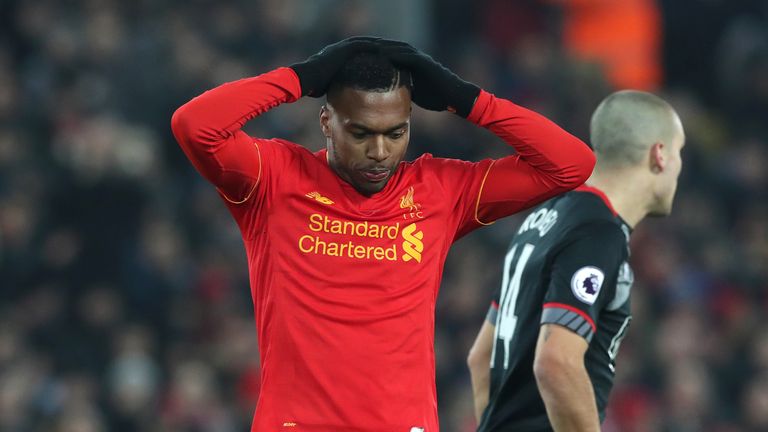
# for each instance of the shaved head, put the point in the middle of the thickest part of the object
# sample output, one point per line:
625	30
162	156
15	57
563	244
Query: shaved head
638	138
627	123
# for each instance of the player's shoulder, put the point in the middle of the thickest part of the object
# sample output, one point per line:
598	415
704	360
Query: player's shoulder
446	172
592	214
425	162
288	147
575	215
606	233
429	162
283	152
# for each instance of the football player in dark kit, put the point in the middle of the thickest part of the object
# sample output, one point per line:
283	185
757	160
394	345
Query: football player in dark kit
554	329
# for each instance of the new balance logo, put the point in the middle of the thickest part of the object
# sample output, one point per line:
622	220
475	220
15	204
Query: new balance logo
319	198
412	243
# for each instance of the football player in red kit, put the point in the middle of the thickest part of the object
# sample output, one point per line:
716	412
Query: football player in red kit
346	245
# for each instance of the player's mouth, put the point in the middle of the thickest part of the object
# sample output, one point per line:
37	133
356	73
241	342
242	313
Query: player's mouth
375	175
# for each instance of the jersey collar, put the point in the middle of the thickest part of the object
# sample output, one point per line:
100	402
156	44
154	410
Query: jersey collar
600	194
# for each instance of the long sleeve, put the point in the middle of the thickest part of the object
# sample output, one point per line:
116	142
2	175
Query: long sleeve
549	160
208	129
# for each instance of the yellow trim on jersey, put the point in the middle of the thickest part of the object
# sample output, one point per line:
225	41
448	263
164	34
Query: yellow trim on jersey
258	179
479	194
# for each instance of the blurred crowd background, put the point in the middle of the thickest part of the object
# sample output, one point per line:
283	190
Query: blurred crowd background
124	303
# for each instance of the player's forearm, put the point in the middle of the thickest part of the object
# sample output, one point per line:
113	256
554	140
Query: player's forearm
479	363
568	396
564	160
210	118
480	376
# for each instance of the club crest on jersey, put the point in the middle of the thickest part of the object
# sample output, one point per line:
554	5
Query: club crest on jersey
586	283
414	209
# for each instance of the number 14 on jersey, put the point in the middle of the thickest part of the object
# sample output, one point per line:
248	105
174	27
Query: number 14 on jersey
506	322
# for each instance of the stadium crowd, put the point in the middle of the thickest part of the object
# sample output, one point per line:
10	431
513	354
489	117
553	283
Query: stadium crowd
118	312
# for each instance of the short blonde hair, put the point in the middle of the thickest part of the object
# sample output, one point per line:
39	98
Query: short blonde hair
627	123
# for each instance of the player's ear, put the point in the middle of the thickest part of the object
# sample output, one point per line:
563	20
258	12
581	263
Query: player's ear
657	159
325	117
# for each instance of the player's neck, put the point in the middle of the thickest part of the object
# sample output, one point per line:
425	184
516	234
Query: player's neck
627	195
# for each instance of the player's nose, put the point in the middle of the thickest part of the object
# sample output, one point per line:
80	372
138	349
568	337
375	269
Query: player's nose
377	148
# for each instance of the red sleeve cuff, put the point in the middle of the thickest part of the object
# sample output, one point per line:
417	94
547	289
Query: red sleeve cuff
290	80
482	102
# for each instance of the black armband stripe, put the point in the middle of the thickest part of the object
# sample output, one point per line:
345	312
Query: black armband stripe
493	313
568	319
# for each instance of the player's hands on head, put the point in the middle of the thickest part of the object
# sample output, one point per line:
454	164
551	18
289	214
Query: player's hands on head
316	72
435	87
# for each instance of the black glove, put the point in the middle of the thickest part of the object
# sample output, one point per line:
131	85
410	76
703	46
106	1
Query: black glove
435	87
316	72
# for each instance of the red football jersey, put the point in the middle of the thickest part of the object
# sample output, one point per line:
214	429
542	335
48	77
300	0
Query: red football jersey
344	285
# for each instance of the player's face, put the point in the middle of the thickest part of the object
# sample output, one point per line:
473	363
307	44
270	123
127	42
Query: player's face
367	135
666	184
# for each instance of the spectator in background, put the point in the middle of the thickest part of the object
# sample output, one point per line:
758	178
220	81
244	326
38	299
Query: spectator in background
623	37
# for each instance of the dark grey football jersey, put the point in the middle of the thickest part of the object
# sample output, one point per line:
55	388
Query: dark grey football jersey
566	265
